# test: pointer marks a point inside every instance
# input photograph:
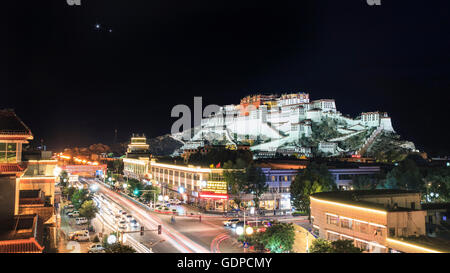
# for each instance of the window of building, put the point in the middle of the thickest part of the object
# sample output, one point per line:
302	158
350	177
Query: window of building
378	231
361	227
315	230
346	223
332	236
8	152
363	245
332	220
413	205
392	232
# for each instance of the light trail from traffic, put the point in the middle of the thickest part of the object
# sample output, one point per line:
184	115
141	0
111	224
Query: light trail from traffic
178	240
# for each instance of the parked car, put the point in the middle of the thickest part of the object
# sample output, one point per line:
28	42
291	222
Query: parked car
81	220
230	222
82	237
75	213
72	235
96	248
69	210
128	218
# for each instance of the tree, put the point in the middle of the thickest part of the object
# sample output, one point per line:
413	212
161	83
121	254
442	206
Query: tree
437	185
149	195
315	178
255	183
339	246
69	191
344	246
363	182
279	237
405	176
235	179
63	176
119	248
320	246
78	198
88	210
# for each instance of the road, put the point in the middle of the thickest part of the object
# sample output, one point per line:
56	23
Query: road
187	234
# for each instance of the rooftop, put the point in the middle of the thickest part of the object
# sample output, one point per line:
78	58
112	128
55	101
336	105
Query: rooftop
439	244
353	198
22	234
11	124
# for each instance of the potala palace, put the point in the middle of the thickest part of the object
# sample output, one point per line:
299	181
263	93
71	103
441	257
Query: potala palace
288	124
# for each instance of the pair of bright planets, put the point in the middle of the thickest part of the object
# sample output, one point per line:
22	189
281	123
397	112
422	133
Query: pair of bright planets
98	26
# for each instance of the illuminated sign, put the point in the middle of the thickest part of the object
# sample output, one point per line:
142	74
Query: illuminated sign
212	195
218	187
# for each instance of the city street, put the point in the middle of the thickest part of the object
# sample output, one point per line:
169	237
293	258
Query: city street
186	234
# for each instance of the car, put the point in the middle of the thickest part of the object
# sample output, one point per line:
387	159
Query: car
75	213
128	218
134	224
81	220
230	222
82	237
237	224
70	206
69	210
122	225
73	234
177	202
117	218
96	248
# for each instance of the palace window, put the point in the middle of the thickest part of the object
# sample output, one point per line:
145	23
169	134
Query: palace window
8	152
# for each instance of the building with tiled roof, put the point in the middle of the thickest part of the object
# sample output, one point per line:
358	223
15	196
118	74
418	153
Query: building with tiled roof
26	188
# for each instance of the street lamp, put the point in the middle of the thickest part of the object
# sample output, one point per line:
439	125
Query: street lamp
112	239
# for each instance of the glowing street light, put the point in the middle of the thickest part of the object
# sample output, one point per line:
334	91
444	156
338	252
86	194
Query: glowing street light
249	230
112	239
239	230
125	185
166	198
160	198
181	190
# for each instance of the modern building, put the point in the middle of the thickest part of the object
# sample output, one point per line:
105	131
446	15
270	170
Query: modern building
204	186
378	221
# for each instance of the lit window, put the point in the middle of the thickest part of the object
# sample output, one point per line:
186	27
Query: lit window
8	152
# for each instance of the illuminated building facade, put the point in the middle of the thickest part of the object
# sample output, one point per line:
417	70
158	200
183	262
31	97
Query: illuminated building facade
26	190
204	186
270	122
378	221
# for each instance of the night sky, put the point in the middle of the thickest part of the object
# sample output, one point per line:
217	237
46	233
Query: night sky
73	84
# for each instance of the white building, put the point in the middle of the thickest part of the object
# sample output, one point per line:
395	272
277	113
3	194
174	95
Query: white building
270	121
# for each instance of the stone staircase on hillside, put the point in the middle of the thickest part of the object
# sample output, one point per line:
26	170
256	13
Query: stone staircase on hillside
369	141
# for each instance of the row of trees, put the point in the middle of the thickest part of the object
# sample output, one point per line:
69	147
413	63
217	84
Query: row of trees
339	246
80	198
315	178
278	238
145	192
242	178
